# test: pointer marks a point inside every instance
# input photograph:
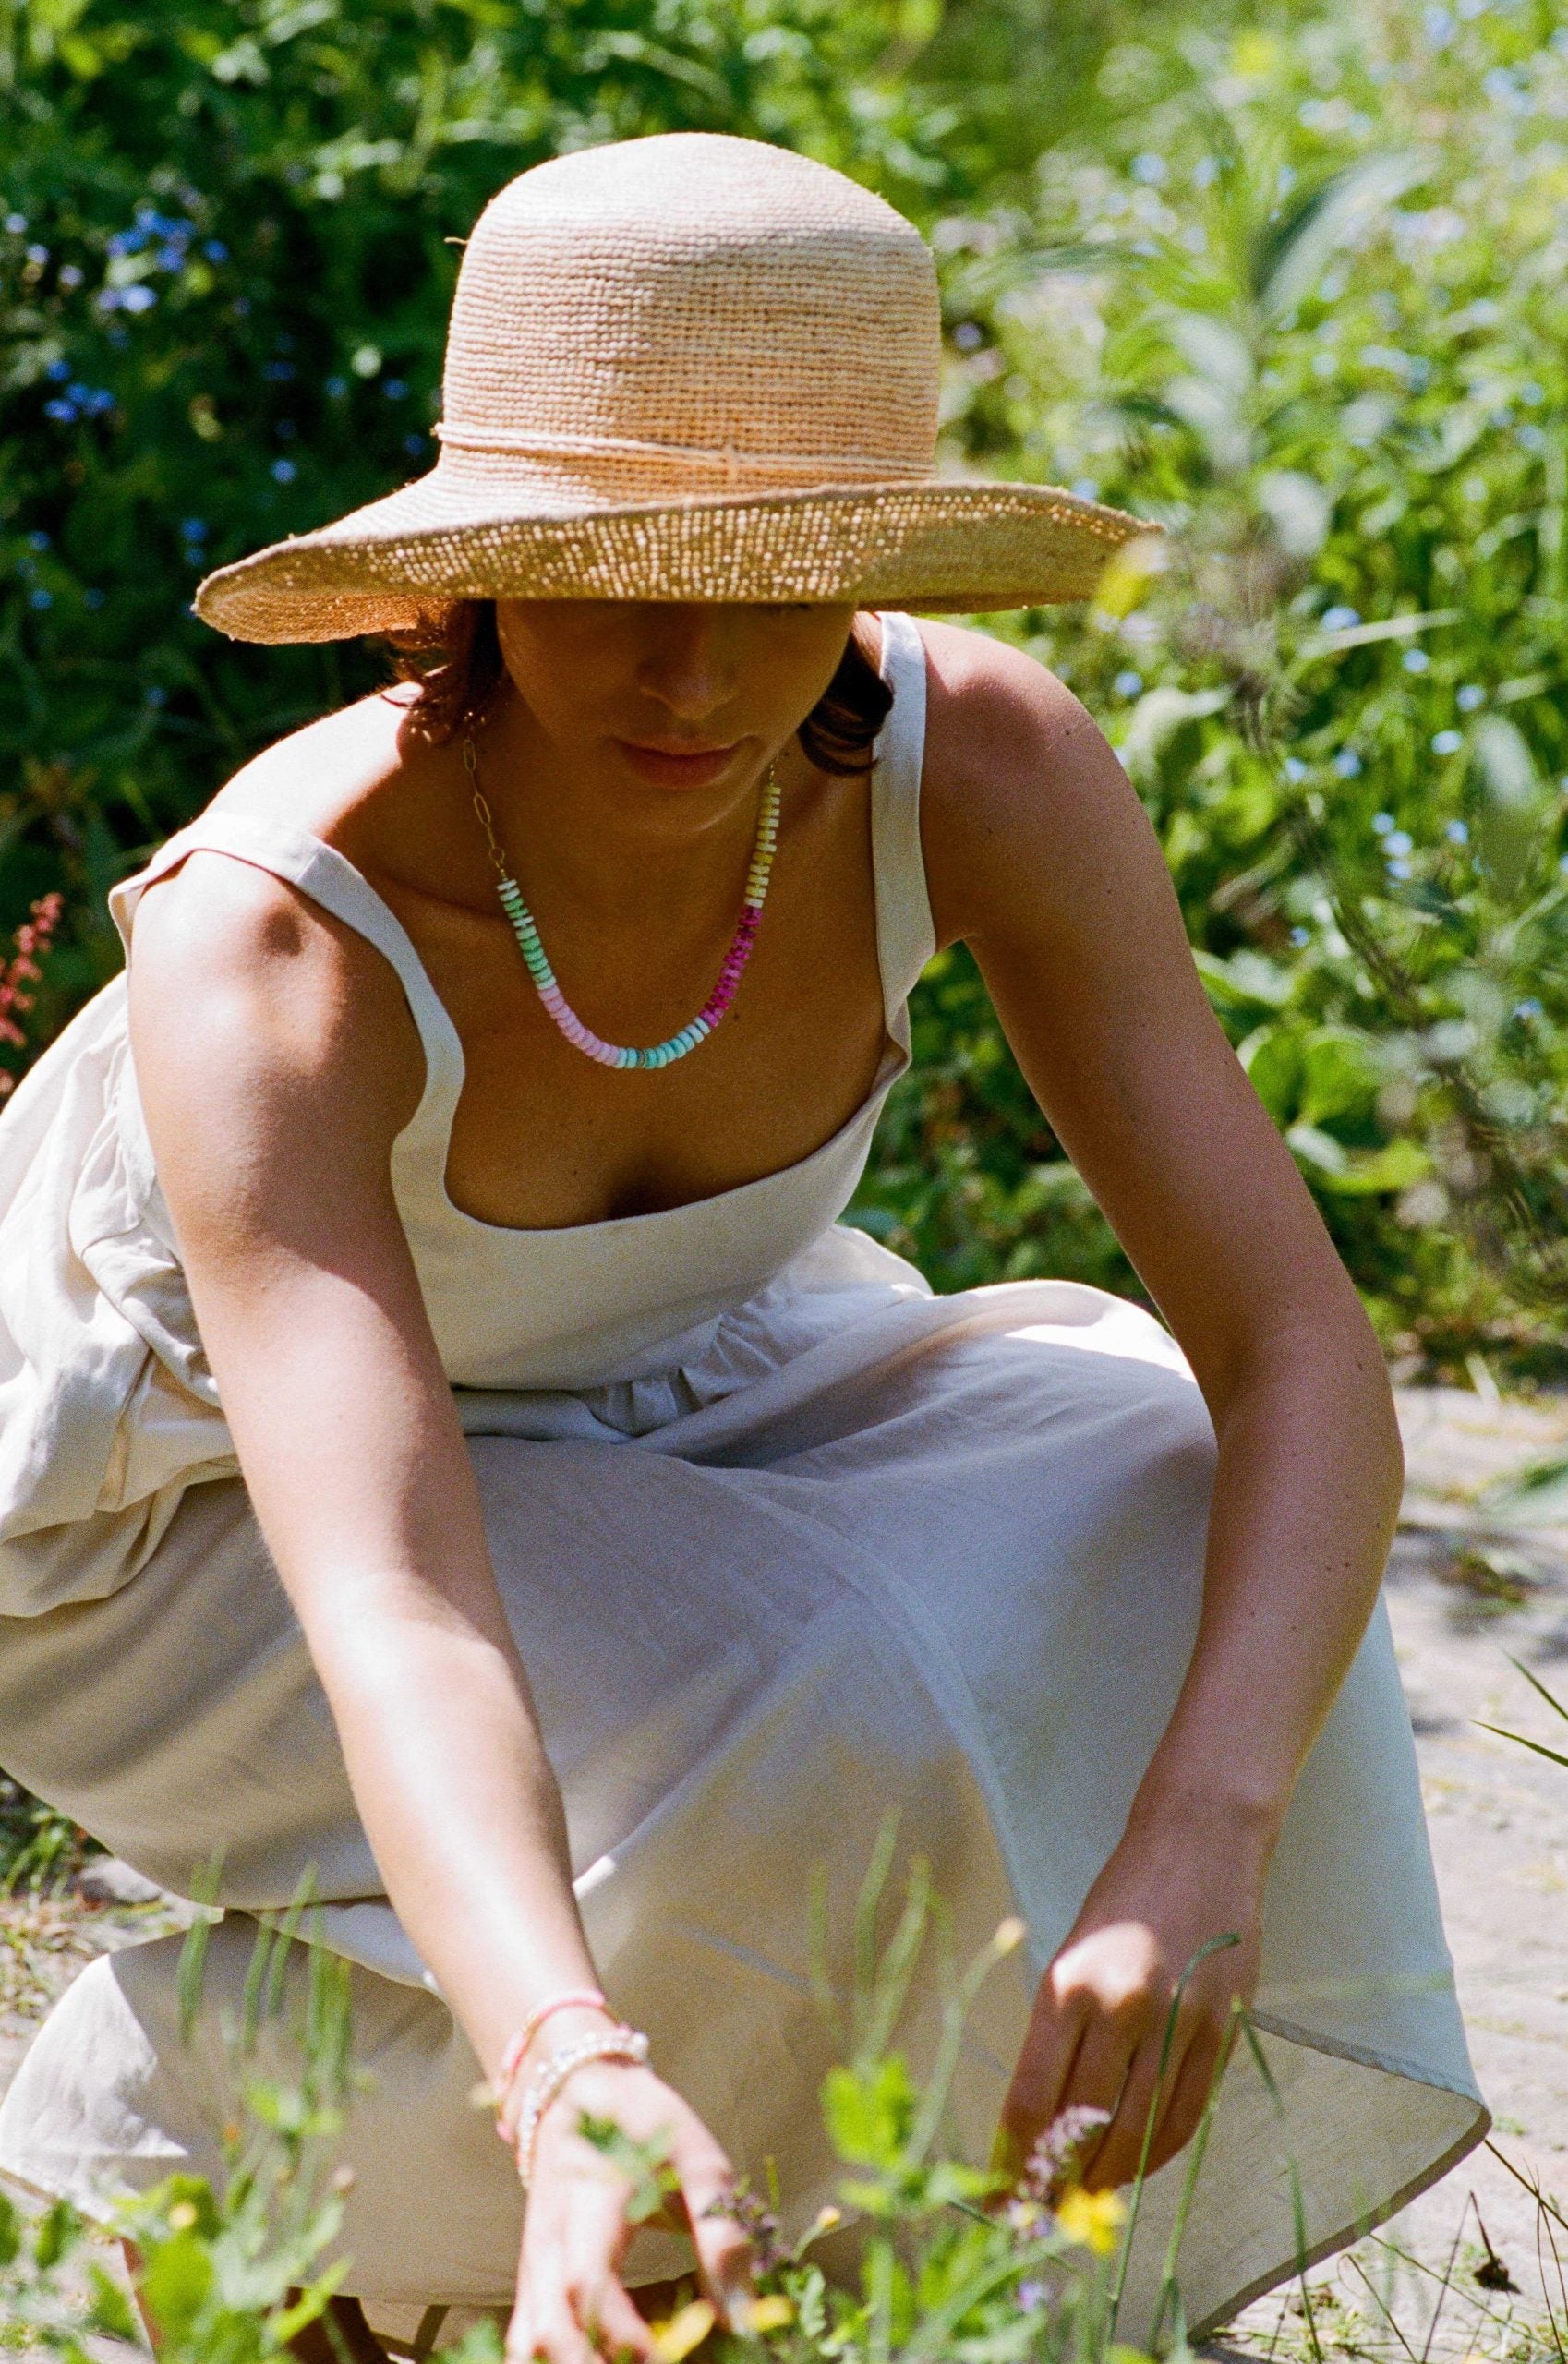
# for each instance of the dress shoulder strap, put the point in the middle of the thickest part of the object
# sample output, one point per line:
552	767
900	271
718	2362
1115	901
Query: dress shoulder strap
905	933
330	879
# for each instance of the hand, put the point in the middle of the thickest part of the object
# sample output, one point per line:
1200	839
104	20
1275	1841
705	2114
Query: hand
1098	2026
571	2300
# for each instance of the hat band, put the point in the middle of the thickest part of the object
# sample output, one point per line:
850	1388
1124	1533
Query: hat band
728	463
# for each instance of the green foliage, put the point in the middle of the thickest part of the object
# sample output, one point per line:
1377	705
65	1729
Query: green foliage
958	2265
1292	287
1303	304
39	1849
230	2279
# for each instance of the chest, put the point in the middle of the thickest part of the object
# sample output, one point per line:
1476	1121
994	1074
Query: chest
544	1137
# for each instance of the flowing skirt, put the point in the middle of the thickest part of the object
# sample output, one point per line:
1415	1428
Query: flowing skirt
940	1556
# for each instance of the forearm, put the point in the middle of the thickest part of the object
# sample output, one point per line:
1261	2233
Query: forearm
459	1801
1306	1496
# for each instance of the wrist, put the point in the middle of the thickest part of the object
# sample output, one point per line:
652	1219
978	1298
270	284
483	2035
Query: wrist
560	2019
1176	1807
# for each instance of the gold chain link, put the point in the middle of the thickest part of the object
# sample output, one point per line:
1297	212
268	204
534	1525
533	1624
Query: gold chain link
471	766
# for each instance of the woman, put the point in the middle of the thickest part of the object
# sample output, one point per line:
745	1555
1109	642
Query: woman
460	1458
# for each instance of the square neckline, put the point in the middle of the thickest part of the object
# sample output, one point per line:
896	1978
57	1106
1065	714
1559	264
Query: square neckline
446	1068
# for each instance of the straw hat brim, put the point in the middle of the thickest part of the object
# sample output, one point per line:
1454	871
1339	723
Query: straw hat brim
936	543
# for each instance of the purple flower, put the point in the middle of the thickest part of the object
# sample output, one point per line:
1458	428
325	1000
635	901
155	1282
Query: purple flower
1053	2163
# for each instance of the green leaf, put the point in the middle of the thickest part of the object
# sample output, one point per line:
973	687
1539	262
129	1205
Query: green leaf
111	2311
58	2231
869	2115
176	2281
1271	1057
1366	1174
1514	801
1339	1073
1155	720
1292	253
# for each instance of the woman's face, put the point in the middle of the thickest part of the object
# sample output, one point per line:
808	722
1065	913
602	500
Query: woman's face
671	696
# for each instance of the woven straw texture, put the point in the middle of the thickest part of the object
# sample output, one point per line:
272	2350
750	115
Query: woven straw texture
689	367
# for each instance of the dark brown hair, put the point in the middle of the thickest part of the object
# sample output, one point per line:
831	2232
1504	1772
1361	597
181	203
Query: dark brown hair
457	662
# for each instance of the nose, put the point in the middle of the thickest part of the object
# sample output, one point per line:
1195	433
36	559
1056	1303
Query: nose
687	663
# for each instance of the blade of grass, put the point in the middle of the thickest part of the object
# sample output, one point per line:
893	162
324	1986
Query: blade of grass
1212	1946
1540	1748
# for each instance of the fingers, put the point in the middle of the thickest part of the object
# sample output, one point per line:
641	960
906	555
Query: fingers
1041	2082
583	2320
1161	2109
575	2311
723	2246
1101	2025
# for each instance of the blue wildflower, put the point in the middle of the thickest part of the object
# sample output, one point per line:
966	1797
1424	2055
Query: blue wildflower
1417	661
1295	769
1529	1008
215	250
38	539
1447	743
1340	618
93	596
195	529
17	224
414	446
61	410
395	389
1456	832
41	598
1381	823
139	298
1470	697
1399	843
1127	684
155	696
1399	870
57	368
336	387
285	471
1347	763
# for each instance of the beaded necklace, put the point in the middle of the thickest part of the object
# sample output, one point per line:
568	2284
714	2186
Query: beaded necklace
526	929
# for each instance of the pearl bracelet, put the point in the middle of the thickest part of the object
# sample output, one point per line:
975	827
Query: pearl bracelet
615	2043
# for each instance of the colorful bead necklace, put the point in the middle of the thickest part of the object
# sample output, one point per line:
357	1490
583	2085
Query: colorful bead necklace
526	929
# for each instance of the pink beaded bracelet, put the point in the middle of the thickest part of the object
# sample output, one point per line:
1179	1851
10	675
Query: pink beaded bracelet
579	1997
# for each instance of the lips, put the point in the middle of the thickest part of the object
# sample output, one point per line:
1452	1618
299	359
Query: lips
677	764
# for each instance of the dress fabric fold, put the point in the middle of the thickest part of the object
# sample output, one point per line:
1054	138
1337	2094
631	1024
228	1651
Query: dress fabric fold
789	1545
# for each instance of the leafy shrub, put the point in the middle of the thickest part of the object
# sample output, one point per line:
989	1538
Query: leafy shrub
1305	306
1294	290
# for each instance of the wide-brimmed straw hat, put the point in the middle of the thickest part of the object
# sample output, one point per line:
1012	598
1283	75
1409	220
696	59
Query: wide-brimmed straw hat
683	368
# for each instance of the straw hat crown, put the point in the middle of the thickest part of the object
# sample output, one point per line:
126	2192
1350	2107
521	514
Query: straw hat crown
689	366
691	313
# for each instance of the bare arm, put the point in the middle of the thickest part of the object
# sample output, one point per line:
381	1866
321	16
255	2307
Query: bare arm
1043	859
276	1061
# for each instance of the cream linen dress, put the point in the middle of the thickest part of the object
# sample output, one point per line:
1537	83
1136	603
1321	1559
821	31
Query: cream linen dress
786	1542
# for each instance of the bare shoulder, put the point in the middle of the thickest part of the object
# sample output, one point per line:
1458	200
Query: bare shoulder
236	974
1020	787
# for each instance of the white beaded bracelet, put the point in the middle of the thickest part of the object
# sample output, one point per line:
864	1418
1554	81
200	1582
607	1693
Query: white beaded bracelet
612	2044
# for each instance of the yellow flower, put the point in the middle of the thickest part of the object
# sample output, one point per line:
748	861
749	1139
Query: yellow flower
1091	2219
761	2315
686	2329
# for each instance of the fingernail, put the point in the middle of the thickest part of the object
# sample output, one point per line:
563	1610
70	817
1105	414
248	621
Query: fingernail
736	2298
